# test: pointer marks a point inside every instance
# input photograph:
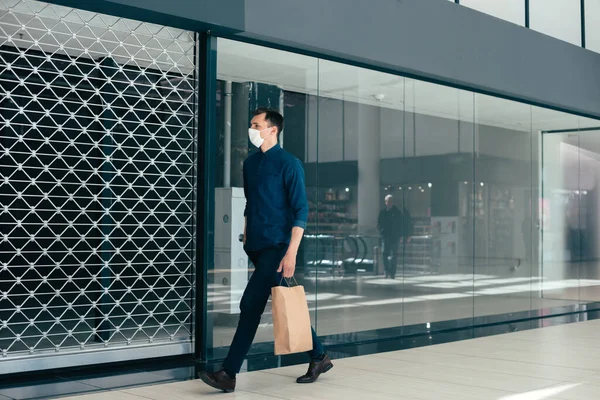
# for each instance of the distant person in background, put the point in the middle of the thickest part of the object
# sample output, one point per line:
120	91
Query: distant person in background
407	233
526	230
407	226
389	225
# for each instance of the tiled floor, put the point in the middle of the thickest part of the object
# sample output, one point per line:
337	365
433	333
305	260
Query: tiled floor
559	362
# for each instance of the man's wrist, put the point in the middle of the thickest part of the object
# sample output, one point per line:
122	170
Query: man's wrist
291	253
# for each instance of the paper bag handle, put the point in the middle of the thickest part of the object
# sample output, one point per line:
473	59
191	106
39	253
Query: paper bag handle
287	280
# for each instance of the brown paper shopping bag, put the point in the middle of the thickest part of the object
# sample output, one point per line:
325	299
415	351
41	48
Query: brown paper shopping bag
291	321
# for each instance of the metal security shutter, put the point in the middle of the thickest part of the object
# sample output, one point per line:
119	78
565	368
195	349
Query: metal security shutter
97	133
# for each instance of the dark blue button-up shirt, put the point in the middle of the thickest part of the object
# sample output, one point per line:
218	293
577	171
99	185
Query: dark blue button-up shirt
275	198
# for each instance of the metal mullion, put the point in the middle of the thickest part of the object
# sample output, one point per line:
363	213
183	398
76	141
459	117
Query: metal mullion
206	69
583	24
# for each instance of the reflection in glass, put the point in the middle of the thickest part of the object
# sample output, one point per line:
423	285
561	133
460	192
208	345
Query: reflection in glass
571	159
439	145
508	10
588	250
247	81
557	18
561	235
503	207
592	25
470	176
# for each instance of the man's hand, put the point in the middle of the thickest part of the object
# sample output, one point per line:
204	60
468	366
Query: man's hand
288	265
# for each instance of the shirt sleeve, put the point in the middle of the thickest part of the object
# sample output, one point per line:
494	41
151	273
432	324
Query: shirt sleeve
296	191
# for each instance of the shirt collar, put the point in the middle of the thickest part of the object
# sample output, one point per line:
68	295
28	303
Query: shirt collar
272	150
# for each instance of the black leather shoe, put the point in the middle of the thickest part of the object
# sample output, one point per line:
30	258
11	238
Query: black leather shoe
315	369
218	380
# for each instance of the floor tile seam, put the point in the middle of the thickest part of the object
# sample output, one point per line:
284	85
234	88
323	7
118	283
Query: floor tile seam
256	392
79	394
555	396
585	381
477	369
144	396
436	380
332	384
539	340
132	394
133	386
533	348
451	382
93	389
339	385
273	371
487	357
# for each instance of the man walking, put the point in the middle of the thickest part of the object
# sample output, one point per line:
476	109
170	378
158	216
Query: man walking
276	214
389	225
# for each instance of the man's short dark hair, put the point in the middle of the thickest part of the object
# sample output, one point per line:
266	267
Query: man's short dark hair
273	117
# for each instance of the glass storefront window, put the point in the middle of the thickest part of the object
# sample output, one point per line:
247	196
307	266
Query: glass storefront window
464	171
592	25
437	251
557	18
503	234
250	77
508	10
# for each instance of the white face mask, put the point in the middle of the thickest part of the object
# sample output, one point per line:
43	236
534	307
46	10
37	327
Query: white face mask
254	135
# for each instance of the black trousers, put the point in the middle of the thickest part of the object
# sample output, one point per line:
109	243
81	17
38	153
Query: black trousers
390	256
253	304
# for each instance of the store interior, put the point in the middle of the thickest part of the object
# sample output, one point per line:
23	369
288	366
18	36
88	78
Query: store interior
466	167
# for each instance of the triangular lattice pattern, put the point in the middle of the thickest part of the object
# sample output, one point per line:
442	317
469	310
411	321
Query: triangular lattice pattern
96	161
